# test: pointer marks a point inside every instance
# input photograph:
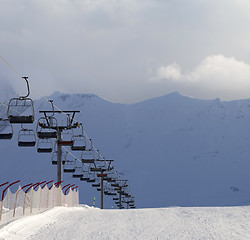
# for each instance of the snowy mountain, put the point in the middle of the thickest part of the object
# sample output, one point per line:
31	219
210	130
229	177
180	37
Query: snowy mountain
174	150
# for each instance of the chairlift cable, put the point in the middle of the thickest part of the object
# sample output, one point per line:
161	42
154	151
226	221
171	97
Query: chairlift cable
61	112
50	102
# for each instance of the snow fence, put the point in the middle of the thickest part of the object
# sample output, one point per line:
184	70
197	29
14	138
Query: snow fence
34	200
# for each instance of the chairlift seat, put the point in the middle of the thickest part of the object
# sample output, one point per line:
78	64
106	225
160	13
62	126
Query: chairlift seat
96	185
6	135
54	162
88	160
21	119
115	198
95	169
106	178
111	180
45	135
99	189
44	150
84	178
69	170
77	175
26	144
114	184
91	180
78	148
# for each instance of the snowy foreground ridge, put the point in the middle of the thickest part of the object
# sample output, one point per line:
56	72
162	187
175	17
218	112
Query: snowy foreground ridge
158	223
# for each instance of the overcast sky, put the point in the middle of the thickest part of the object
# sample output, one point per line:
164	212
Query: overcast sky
128	50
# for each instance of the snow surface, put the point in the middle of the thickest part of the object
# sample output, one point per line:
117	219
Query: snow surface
162	223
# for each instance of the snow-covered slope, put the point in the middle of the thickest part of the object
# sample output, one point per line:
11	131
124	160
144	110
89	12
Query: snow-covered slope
174	150
163	223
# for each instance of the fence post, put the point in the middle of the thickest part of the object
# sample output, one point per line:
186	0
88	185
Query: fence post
49	192
37	185
17	196
75	202
66	197
25	196
41	194
3	196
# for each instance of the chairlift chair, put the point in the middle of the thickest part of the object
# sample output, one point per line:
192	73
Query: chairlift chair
54	159
69	166
79	141
17	106
88	156
46	128
79	172
6	129
44	146
26	138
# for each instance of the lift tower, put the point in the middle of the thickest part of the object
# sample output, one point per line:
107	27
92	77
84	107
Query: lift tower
51	123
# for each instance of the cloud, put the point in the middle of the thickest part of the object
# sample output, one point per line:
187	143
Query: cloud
105	47
172	72
214	72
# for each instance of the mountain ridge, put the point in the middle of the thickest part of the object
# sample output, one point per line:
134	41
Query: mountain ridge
174	150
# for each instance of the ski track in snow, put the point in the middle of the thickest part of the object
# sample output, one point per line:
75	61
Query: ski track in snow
159	223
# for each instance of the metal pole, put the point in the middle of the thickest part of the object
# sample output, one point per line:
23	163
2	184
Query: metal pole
120	198
59	157
102	194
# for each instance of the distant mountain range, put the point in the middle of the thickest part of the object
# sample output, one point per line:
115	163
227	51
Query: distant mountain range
174	150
